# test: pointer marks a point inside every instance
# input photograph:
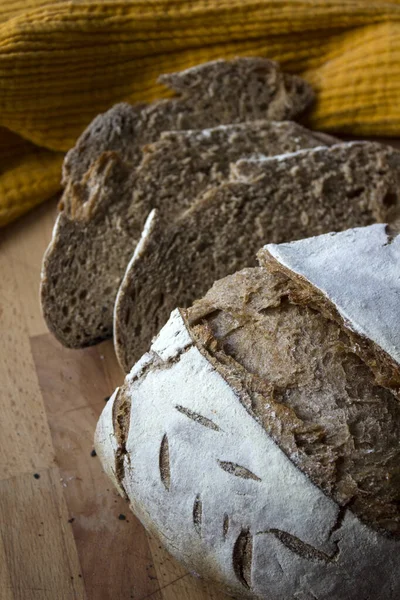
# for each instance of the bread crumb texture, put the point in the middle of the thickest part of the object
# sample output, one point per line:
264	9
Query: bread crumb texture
105	202
302	378
272	199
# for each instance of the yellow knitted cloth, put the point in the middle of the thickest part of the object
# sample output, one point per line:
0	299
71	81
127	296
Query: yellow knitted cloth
62	62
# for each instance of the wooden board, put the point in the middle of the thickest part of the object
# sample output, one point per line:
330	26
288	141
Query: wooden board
65	534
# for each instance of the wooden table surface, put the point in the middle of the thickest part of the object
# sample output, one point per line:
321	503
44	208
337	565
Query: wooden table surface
65	534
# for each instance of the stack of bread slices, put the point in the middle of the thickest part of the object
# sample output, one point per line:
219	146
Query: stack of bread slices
162	199
288	373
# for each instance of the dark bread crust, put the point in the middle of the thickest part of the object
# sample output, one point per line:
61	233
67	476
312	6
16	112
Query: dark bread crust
100	224
275	200
113	131
301	375
385	368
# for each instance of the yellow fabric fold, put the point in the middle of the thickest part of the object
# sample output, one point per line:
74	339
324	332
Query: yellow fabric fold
61	63
27	179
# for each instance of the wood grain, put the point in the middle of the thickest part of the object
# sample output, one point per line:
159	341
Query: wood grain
25	442
5	575
40	552
25	244
61	537
114	552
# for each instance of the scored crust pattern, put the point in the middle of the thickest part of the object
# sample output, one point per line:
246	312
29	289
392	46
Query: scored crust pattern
226	501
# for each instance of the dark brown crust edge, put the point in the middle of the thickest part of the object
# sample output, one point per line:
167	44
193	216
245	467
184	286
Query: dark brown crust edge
304	293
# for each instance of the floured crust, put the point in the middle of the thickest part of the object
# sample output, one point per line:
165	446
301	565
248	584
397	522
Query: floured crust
100	223
223	497
108	446
123	331
352	277
301	376
269	199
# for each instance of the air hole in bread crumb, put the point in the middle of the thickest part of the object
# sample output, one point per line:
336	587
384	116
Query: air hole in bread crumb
356	193
390	199
201	246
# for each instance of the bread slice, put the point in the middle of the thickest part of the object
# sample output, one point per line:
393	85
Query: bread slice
93	238
255	440
217	92
183	164
269	200
89	252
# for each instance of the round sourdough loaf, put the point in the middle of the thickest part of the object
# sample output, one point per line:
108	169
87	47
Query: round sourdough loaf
259	436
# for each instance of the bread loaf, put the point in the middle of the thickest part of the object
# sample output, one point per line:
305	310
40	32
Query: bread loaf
274	200
259	436
99	224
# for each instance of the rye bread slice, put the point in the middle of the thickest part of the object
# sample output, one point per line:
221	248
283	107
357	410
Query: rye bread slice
275	200
93	240
217	92
183	164
89	253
